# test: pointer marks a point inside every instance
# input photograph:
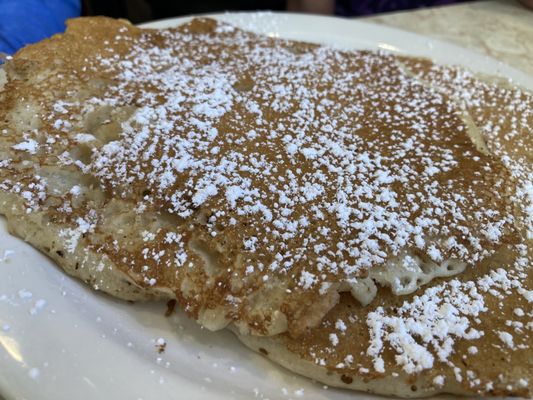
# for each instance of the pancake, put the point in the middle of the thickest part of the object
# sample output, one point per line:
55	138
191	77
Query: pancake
469	335
251	178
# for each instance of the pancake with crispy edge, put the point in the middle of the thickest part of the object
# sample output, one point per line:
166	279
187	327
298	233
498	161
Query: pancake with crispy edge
470	335
251	178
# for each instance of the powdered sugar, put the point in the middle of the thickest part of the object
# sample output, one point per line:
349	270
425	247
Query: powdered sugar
30	145
506	338
71	236
300	167
424	330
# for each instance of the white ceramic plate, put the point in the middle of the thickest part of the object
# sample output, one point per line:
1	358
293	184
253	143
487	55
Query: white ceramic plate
60	340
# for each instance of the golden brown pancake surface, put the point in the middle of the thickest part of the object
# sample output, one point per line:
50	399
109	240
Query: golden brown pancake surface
252	178
468	335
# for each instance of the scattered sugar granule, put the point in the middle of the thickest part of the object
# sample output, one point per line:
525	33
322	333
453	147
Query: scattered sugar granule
84	138
25	294
340	325
506	338
7	254
38	306
34	373
438	380
528	294
334	339
161	344
75	190
518	312
30	145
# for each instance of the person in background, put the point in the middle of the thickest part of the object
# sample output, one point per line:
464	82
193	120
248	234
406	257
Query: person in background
361	7
27	21
368	7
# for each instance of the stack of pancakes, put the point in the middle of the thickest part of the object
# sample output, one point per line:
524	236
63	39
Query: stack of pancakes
360	218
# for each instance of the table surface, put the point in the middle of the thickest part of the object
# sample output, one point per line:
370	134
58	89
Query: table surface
501	29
